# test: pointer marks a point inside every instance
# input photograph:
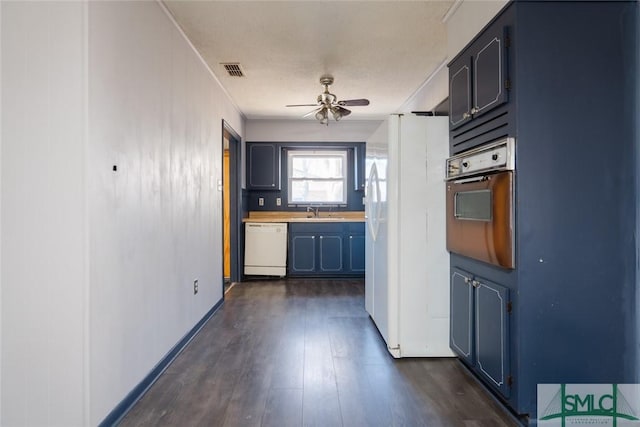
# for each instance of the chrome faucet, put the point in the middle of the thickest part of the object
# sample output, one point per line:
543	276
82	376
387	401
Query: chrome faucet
314	210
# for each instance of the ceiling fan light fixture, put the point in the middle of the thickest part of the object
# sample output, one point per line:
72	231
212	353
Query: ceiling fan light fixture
337	114
327	101
322	115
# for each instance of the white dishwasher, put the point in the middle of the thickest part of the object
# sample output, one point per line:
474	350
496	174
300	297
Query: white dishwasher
265	248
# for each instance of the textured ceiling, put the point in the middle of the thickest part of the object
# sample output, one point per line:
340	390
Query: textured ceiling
380	50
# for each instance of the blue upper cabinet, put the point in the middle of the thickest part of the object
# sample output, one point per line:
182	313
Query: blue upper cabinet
478	80
460	92
263	166
359	152
490	81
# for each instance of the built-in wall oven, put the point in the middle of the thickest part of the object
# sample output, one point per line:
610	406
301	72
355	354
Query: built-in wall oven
480	209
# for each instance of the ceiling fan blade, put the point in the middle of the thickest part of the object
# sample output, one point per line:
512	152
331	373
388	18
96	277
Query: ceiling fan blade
302	105
312	111
354	102
343	111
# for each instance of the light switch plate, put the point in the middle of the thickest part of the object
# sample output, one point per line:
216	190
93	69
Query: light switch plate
278	201
261	201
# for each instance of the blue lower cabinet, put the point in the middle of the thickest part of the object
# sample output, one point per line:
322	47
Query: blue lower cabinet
331	253
492	326
326	249
302	253
480	312
462	307
355	262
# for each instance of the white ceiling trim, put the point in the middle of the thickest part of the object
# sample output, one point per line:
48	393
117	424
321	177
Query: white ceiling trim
423	86
452	10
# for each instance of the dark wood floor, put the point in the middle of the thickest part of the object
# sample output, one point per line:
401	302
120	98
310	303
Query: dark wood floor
305	352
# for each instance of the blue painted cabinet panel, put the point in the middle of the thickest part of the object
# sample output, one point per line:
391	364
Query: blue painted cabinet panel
356	253
462	306
478	80
489	71
460	92
302	253
263	166
326	249
492	333
331	253
480	327
359	153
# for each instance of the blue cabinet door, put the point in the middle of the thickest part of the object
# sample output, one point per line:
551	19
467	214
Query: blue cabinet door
359	154
263	166
331	253
460	92
462	316
326	249
489	71
302	254
492	326
478	80
355	263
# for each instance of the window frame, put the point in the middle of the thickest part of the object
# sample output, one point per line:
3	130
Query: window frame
342	153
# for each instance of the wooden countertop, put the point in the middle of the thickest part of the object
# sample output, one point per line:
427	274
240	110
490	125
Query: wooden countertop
286	216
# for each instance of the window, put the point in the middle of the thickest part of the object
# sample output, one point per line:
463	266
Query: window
317	177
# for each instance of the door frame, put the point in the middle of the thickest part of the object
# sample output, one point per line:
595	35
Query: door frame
235	200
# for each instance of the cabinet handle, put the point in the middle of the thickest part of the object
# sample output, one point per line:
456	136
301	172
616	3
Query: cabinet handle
466	115
474	110
467	280
475	283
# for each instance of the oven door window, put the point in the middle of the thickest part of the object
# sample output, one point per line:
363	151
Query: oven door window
473	205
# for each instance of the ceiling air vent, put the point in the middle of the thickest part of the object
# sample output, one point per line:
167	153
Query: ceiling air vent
233	68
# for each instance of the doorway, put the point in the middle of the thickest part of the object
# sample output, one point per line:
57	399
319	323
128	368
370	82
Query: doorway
231	197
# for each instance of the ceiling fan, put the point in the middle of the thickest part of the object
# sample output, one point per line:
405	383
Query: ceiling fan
328	103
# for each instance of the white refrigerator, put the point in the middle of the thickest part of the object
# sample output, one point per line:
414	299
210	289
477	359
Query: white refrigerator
407	264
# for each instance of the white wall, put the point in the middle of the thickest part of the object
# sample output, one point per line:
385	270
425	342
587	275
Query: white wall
156	112
310	130
43	214
465	21
97	266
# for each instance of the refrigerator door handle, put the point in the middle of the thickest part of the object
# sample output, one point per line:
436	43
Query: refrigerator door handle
373	202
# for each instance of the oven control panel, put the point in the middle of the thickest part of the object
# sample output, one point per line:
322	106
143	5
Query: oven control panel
494	157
